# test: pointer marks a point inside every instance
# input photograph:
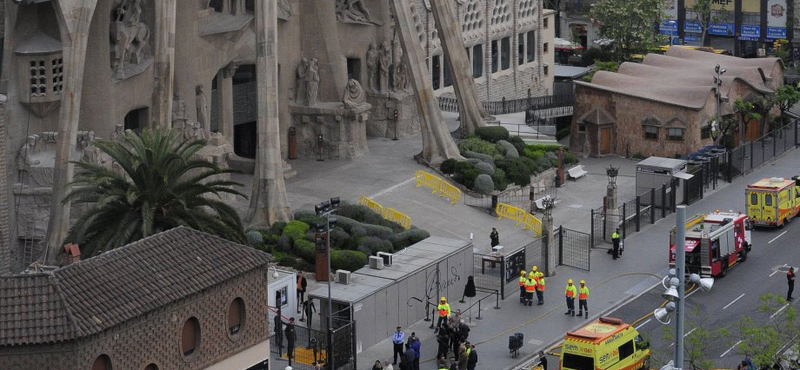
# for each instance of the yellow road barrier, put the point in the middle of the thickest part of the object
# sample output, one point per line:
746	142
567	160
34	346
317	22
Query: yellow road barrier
427	179
371	204
510	212
530	222
450	191
397	217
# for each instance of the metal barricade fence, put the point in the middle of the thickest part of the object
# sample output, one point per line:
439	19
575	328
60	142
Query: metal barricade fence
749	156
488	271
574	248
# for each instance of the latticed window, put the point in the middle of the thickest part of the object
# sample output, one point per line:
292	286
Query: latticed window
651	132
675	134
38	78
57	69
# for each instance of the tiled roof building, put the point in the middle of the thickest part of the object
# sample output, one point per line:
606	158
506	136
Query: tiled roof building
181	299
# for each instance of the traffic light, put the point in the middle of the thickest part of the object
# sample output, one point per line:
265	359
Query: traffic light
776	45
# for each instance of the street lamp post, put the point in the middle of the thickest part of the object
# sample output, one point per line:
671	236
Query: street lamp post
327	208
716	126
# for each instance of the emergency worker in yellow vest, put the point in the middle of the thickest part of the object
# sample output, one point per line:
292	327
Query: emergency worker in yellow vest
540	289
530	287
444	312
570	292
583	296
522	280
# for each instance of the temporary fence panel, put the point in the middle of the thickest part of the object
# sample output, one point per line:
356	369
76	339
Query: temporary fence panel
371	204
488	271
510	212
310	345
450	191
574	248
428	180
530	222
397	217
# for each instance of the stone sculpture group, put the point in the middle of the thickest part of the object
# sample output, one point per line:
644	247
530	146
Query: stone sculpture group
385	69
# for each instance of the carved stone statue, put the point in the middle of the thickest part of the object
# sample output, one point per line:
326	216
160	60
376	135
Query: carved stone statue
178	110
284	10
130	37
400	77
300	81
119	130
397	50
385	63
201	103
372	66
353	11
353	96
312	82
91	154
25	155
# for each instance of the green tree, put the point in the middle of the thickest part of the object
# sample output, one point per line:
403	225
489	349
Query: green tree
159	184
763	341
764	104
785	97
702	13
698	341
746	112
630	25
601	66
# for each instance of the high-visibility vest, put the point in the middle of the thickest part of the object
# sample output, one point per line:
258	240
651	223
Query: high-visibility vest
615	235
583	292
522	280
530	285
570	291
469	349
444	309
540	285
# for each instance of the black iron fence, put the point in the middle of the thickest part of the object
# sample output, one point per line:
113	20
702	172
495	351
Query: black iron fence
506	106
311	344
524	198
574	248
629	217
500	272
749	156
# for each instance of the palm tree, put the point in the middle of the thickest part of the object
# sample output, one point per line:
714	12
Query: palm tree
159	184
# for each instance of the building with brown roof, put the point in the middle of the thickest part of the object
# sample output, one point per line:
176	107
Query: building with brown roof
181	299
664	106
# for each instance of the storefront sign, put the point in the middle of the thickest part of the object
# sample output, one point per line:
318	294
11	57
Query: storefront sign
668	27
692	26
750	32
688	38
721	29
671	9
776	13
775	33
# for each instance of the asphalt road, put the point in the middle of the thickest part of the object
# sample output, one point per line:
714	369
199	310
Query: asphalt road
731	298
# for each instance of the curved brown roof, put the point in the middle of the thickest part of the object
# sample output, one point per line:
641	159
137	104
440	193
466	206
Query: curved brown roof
768	65
694	97
752	75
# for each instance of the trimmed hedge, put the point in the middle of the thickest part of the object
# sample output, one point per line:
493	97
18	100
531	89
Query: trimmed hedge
378	231
483	157
477	145
518	143
492	134
371	245
500	180
508	149
409	237
516	171
254	238
359	213
531	164
277	228
484	167
305	250
296	230
347	260
484	184
284	243
448	166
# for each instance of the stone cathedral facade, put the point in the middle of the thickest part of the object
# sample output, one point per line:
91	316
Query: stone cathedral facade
111	65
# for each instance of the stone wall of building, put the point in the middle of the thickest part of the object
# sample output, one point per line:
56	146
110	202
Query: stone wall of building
157	335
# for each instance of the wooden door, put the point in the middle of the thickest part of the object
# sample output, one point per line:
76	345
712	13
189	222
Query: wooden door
605	140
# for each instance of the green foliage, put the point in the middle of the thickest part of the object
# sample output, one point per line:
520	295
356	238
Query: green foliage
508	150
161	185
484	167
340	239
286	260
310	220
254	238
533	153
466	174
296	230
563	132
378	231
785	97
500	180
483	157
610	66
372	245
483	184
478	146
699	341
277	228
305	249
638	155
570	158
347	260
409	237
516	171
448	166
762	341
271	239
359	213
593	55
629	25
531	164
544	147
492	134
284	243
518	143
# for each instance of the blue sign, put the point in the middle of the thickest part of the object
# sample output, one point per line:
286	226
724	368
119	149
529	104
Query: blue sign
721	29
776	32
692	26
750	32
688	38
668	27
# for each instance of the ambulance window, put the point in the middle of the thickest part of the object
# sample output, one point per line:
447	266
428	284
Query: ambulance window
767	200
626	350
754	199
578	362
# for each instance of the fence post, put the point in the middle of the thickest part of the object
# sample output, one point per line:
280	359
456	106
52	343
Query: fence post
663	200
795	131
624	223
774	146
497	300
674	197
638	212
751	156
355	345
561	245
591	227
479	310
652	206
503	276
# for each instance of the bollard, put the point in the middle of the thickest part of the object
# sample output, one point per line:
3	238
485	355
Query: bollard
427	318
496	300
479	311
431	327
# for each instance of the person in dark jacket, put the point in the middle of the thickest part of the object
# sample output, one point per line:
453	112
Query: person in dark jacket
290	338
302	285
407	361
415	346
790	281
463	331
454	338
543	360
469	289
472	359
443	339
494	237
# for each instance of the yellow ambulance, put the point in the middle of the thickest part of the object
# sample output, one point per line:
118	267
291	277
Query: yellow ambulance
773	201
604	344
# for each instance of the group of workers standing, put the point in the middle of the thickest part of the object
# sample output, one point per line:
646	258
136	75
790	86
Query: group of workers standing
534	281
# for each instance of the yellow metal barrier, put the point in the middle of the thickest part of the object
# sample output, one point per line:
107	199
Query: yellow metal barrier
397	217
530	222
510	212
450	191
371	204
427	179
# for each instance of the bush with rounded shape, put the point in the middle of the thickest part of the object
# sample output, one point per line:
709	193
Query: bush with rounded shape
305	250
378	231
492	134
286	260
311	220
296	229
530	163
500	180
372	245
271	239
448	166
570	158
544	163
340	239
358	231
467	177
516	171
302	213
551	155
347	260
483	184
346	223
254	238
518	143
277	228
478	146
359	213
284	243
484	167
409	237
534	153
508	150
483	157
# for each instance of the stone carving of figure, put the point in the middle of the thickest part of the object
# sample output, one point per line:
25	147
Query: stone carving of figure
130	37
385	62
25	155
312	82
91	154
372	66
397	50
352	11
300	81
353	96
193	131
178	110
119	130
284	10
400	77
201	103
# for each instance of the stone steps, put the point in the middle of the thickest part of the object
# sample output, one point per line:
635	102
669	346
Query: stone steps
288	171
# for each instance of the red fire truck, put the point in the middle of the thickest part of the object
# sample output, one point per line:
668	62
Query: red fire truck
714	242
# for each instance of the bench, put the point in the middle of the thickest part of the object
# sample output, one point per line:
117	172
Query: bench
577	171
540	202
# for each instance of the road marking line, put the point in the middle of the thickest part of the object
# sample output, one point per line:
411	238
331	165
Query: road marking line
685	335
732	302
773	273
642	324
729	349
779	311
776	238
690	293
390	189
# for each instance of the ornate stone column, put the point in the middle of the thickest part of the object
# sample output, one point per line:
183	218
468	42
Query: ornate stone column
268	203
75	17
470	110
164	68
613	218
549	246
225	86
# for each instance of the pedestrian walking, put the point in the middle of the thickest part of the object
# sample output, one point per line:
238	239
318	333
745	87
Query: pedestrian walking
415	346
290	339
570	292
494	236
455	338
472	359
583	296
309	308
540	289
377	365
302	285
530	288
542	360
278	324
615	242
444	312
790	281
463	331
407	362
462	357
443	339
398	337
522	280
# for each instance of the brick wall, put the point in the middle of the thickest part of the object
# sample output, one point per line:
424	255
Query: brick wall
155	337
